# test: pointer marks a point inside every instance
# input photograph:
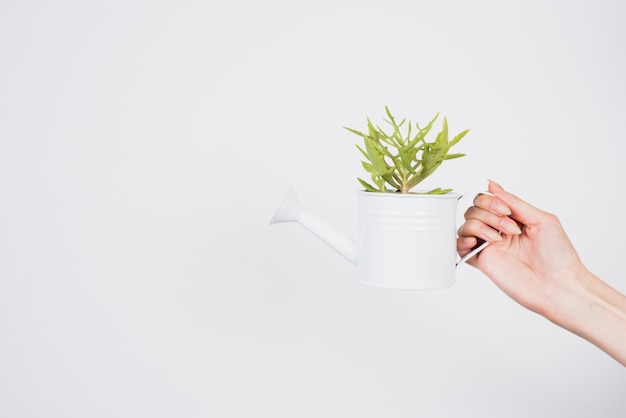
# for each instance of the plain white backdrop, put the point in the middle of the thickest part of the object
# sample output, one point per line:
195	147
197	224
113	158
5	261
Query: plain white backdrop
144	146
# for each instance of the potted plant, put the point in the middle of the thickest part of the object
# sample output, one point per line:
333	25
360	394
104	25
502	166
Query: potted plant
404	160
406	240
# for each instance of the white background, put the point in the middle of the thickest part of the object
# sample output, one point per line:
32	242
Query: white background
144	146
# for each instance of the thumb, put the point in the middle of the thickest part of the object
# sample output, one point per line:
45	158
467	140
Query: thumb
520	210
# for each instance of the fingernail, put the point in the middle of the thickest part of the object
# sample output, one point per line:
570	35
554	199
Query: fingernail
495	183
509	226
490	234
501	208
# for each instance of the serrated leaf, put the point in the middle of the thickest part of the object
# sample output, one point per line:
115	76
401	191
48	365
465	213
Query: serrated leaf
442	138
429	126
380	182
373	132
368	167
457	138
428	155
391	180
406	160
375	156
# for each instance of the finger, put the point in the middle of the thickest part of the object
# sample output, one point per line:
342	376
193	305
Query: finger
520	210
478	229
500	223
465	244
492	204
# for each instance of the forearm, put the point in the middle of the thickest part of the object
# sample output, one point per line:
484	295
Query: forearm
596	312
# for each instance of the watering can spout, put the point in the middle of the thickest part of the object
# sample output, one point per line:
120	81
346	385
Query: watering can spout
291	210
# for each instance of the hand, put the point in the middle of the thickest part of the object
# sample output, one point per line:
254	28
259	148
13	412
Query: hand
533	261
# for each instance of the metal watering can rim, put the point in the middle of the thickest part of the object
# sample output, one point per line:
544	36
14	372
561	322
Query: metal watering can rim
411	195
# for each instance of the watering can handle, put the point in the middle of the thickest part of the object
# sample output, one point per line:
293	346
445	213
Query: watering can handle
472	253
481	246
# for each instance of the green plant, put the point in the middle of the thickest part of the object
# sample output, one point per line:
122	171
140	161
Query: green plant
400	160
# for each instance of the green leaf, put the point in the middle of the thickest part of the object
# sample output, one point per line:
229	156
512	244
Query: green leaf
442	138
439	190
391	180
363	152
380	182
453	156
428	153
375	156
373	132
457	138
388	112
415	141
354	131
385	151
428	127
406	160
368	167
367	186
381	133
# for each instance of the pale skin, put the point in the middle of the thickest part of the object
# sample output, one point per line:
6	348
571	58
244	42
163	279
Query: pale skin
532	260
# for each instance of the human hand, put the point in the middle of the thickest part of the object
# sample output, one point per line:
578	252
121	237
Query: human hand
532	260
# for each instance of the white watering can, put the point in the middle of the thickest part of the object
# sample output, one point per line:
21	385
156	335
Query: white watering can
405	241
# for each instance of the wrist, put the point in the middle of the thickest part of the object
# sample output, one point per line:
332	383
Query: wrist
572	297
593	310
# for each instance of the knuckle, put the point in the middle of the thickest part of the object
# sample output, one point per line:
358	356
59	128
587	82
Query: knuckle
552	218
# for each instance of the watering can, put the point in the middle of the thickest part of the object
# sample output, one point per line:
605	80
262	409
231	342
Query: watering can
405	241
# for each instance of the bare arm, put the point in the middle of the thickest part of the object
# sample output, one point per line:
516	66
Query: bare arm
596	312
